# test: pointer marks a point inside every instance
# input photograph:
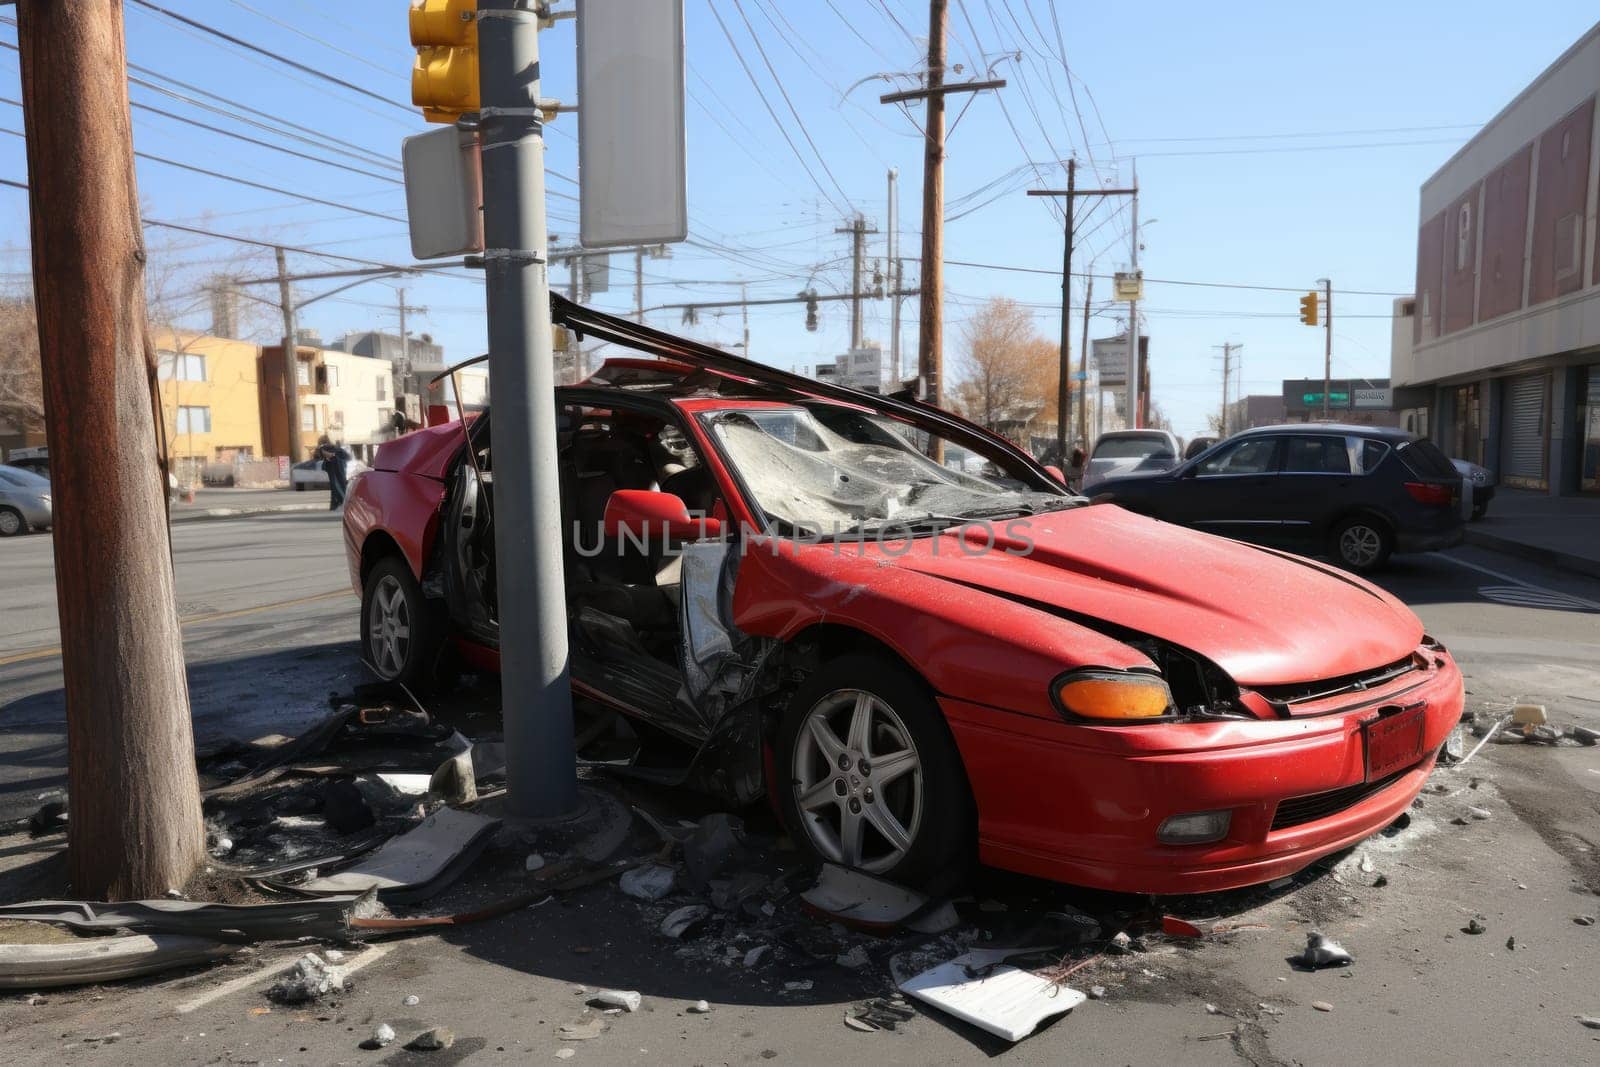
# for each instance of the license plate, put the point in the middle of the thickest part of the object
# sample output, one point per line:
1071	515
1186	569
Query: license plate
1395	742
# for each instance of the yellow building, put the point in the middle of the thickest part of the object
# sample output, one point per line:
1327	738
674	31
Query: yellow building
210	400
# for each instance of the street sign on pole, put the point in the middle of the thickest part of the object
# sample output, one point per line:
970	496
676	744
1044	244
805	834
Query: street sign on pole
444	192
632	155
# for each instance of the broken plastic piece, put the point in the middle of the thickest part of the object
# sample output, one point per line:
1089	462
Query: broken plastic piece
858	899
1006	1001
1173	926
684	919
328	917
415	865
626	999
1324	952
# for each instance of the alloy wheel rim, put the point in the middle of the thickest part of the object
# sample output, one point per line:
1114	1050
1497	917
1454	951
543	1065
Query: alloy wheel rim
858	782
1360	545
389	627
9	523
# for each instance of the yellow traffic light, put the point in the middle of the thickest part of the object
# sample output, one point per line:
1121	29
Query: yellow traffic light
1308	309
444	80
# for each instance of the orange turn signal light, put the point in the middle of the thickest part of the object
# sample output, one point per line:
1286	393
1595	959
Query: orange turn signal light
1114	695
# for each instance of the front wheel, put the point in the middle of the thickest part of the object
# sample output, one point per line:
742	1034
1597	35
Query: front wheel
1362	544
401	633
870	777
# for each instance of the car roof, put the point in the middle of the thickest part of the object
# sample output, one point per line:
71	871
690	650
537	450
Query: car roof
1385	433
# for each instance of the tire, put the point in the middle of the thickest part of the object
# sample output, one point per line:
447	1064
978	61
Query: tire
12	523
1361	544
928	804
299	487
408	652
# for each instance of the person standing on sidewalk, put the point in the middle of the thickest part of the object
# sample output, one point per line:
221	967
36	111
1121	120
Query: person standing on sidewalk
335	459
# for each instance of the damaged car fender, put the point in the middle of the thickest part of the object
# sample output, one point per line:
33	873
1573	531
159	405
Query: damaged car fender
978	648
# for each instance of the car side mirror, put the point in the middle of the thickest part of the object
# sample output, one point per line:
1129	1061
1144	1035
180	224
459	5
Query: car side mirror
643	514
1055	472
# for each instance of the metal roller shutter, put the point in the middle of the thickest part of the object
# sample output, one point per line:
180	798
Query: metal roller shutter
1527	411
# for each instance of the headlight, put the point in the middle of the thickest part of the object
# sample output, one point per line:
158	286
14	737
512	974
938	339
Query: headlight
1114	696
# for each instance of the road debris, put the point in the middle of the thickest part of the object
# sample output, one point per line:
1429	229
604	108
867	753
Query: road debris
1591	1021
650	882
1511	943
1583	920
1005	1001
1173	926
1097	992
1474	926
880	1014
854	959
311	978
711	848
382	1034
626	999
415	865
587	1030
328	917
699	1007
436	1040
682	921
412	1000
1321	951
87	961
1480	813
1321	1005
858	899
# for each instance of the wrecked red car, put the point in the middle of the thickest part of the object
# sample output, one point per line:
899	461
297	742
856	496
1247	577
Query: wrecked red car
912	636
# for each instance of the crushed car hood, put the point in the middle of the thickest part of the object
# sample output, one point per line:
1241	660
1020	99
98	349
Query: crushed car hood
1267	618
426	452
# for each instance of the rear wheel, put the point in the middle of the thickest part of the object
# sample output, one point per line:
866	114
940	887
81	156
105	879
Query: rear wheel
401	631
870	777
12	522
1362	544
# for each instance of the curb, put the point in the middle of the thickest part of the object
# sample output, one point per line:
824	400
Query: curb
1550	557
205	514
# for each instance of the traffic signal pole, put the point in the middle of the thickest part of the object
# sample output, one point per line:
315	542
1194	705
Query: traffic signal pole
1327	343
536	702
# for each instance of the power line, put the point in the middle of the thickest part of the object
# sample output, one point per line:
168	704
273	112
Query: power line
244	181
276	56
1299	134
292	28
805	130
1301	148
1168	281
247	139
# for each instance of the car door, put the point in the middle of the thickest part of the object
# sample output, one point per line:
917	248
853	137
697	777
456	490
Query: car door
1314	484
1230	492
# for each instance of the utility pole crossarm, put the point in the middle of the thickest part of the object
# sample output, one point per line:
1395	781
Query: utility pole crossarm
1069	191
940	89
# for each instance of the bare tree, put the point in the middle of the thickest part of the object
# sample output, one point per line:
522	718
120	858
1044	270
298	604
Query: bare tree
1006	372
21	390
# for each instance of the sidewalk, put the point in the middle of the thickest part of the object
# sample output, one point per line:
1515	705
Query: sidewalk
236	503
1559	531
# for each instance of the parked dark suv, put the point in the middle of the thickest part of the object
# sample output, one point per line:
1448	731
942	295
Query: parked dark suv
1357	493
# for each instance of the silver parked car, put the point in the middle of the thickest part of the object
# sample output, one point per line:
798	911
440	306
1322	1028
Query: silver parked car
24	501
1123	452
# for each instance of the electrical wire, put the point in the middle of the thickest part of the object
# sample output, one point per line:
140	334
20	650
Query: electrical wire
805	130
245	182
268	53
297	31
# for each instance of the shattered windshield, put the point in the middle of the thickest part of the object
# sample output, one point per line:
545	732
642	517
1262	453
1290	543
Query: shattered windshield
837	470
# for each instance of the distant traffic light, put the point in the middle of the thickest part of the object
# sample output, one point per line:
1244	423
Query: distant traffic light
1308	309
444	79
810	296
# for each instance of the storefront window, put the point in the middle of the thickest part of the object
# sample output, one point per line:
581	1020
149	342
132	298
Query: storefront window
1467	440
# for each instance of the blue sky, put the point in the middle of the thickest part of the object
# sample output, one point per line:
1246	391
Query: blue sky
1229	110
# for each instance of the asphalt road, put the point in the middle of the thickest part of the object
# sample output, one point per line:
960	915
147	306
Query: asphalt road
1422	989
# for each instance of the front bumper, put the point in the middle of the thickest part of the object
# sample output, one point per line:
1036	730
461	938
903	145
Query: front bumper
1082	804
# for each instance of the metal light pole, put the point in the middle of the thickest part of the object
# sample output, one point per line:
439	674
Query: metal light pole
536	702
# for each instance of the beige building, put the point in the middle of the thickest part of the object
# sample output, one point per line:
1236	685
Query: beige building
210	400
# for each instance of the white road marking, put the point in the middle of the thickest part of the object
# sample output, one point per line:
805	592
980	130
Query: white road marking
372	955
1590	604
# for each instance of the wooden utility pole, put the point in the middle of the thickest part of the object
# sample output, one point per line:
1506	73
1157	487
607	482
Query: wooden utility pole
1070	194
1083	368
134	827
1227	370
291	365
1327	346
930	342
858	231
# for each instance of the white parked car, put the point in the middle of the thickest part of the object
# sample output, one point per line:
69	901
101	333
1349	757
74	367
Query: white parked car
1123	452
310	475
